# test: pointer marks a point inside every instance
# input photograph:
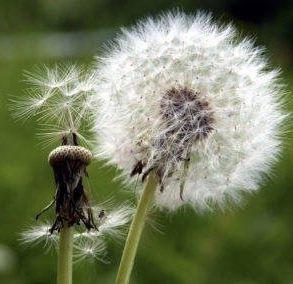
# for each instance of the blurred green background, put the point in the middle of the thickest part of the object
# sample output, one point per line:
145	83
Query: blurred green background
250	245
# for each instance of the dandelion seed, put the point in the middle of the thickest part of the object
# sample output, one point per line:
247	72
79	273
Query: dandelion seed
54	78
182	97
60	97
91	249
115	220
40	234
110	222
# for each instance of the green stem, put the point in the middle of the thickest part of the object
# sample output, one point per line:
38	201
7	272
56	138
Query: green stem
135	231
64	270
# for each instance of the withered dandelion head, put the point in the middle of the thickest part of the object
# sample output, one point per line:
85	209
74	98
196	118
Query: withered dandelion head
62	100
72	206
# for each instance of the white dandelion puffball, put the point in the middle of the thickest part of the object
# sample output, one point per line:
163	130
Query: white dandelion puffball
183	97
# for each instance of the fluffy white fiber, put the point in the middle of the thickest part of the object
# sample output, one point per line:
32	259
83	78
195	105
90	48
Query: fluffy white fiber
61	98
184	97
87	244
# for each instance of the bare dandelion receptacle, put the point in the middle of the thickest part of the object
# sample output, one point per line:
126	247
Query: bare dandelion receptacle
72	206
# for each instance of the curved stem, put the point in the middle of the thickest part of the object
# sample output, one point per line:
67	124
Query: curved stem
135	231
64	269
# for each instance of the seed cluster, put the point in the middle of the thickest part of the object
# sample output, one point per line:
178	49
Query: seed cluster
186	119
179	86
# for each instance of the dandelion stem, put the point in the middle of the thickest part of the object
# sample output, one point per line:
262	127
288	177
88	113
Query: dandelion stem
64	270
135	231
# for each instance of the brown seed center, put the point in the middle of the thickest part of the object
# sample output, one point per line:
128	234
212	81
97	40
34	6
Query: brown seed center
186	115
185	119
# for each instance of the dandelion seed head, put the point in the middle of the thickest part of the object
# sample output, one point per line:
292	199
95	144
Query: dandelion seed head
183	96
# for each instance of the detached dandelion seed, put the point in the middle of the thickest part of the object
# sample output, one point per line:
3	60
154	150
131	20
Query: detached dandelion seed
188	106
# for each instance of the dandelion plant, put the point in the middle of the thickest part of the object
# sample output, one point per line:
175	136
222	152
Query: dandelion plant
62	102
189	109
